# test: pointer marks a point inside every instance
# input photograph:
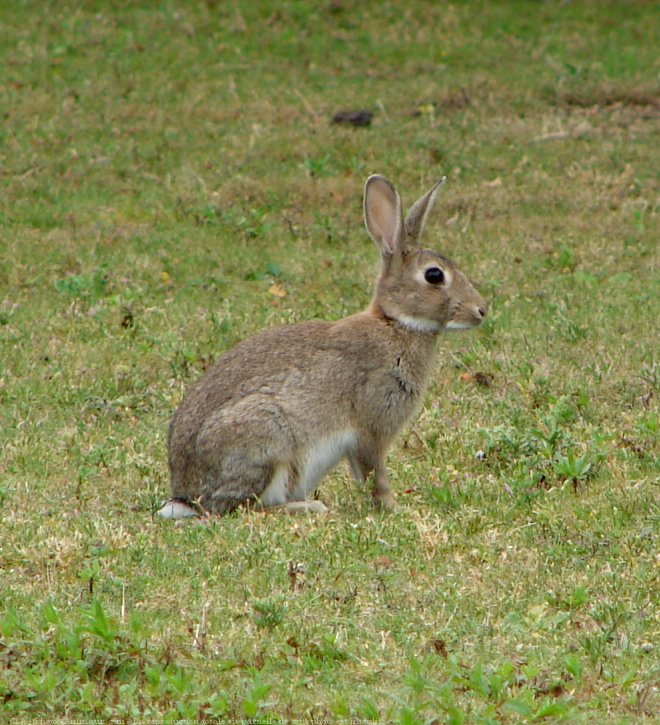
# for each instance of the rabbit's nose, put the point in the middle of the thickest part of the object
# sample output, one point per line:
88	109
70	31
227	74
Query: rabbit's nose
482	312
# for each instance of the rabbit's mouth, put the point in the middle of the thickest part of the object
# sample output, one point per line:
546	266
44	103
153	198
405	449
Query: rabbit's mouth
467	317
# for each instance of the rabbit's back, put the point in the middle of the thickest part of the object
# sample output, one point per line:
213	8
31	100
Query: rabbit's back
327	385
304	366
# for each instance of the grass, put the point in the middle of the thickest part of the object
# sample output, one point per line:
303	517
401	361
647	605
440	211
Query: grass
172	183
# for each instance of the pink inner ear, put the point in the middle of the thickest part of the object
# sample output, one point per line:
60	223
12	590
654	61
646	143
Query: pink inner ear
382	220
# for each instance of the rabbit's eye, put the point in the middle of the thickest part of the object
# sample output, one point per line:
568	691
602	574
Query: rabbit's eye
434	275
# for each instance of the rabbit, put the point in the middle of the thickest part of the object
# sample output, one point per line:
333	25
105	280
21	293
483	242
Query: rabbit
277	412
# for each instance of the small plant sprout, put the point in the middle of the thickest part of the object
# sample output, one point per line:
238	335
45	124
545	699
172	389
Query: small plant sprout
573	469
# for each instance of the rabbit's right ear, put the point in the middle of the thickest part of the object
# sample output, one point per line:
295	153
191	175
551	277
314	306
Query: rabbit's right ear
416	219
382	214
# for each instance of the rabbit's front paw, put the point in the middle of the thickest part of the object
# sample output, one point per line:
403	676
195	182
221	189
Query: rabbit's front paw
385	501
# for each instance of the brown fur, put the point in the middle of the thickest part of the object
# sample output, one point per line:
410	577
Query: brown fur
276	412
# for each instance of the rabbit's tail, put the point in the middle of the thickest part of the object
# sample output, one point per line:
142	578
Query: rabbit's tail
177	508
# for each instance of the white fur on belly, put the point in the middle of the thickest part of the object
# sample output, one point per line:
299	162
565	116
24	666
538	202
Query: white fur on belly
322	455
276	492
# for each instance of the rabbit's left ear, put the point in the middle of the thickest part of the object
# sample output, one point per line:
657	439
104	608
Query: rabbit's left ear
418	214
382	214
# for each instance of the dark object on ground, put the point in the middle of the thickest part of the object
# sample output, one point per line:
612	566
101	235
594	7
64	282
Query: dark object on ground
354	118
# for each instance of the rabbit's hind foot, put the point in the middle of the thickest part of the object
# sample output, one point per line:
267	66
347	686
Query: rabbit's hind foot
305	507
292	507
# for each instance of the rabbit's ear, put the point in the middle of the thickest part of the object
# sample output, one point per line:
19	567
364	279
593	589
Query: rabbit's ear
419	212
382	214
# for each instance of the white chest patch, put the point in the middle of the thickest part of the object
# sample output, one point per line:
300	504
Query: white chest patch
418	324
322	455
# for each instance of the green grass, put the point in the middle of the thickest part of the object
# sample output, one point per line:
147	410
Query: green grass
163	167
